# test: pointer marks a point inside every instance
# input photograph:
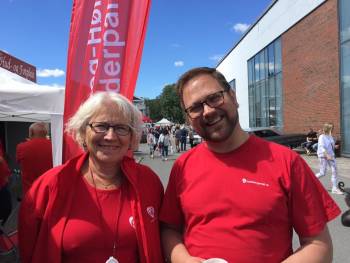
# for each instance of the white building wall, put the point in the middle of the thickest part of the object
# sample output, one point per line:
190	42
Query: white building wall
278	19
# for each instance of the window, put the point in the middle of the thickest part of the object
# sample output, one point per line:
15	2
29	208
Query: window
233	84
344	6
265	87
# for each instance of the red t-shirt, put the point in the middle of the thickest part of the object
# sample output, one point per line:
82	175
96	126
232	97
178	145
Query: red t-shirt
90	231
35	158
243	205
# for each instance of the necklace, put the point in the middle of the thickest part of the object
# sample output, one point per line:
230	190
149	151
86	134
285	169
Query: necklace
106	186
112	258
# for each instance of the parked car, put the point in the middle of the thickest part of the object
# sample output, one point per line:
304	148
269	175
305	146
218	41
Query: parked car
196	138
274	135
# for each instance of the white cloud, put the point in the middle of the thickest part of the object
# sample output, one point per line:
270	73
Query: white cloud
45	73
216	57
240	27
179	63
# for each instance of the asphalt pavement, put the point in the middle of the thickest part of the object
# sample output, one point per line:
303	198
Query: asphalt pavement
340	234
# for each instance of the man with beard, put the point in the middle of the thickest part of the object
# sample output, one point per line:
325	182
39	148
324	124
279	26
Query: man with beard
238	197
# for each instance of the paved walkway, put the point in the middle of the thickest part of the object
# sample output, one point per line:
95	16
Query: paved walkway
343	164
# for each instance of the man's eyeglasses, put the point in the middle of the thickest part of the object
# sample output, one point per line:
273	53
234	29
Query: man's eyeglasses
103	127
213	100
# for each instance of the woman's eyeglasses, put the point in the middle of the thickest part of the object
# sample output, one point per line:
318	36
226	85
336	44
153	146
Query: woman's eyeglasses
103	127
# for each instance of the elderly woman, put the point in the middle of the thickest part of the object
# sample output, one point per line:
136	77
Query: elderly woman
100	206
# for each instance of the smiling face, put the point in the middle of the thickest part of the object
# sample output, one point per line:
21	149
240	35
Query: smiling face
107	148
214	124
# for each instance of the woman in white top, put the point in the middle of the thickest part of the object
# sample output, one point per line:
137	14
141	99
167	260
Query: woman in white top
163	143
326	156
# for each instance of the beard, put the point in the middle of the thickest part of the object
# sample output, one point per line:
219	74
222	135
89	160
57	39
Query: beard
218	127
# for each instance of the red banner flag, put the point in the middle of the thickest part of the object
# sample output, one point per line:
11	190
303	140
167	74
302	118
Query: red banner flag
104	53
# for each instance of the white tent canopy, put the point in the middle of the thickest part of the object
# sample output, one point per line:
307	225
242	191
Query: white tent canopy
163	122
22	100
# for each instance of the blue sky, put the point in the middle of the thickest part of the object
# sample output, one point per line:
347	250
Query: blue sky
181	34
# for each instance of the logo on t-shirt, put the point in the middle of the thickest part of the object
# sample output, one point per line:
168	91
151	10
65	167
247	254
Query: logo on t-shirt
151	212
246	181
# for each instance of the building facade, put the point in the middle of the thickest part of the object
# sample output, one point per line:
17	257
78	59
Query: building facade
139	102
292	68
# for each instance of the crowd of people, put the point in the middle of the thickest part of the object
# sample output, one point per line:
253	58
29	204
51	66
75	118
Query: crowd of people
235	196
169	138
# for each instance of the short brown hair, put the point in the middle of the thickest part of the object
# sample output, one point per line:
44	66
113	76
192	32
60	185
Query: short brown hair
192	73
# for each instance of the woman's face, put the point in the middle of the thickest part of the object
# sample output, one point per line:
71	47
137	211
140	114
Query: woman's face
108	147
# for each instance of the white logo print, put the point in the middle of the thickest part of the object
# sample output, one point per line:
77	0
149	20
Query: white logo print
132	221
150	211
246	181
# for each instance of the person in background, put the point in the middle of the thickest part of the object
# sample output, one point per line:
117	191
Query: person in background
156	133
315	146
151	141
191	137
34	156
164	143
5	195
326	156
311	139
172	139
177	138
183	138
255	192
100	206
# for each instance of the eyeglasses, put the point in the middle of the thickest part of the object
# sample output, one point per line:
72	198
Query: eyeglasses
103	127
213	101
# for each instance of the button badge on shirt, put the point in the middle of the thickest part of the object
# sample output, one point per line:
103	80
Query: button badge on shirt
132	222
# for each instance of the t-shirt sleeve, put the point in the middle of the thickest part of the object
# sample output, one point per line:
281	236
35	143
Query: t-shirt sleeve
171	212
311	205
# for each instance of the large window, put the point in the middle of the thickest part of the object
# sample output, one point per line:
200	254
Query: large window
265	87
344	7
233	84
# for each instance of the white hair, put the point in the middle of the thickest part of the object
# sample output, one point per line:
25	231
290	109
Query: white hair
76	125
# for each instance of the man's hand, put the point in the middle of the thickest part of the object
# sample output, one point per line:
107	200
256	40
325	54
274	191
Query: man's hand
174	248
329	157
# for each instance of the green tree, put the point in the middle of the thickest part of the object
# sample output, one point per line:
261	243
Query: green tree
166	105
170	104
153	106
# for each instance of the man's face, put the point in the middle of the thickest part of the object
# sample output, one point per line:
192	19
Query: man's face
214	124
